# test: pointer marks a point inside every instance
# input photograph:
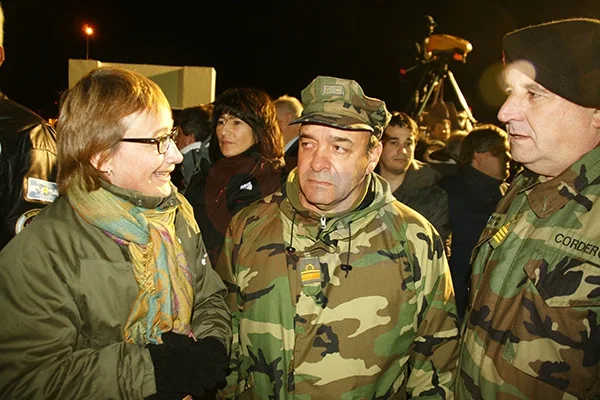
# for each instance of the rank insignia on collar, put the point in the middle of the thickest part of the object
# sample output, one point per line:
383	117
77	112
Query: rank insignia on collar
500	236
495	220
310	270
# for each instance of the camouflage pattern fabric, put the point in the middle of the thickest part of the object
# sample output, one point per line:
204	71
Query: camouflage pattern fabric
341	103
306	329
532	330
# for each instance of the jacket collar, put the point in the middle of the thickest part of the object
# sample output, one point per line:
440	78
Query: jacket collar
141	200
547	196
376	194
418	175
480	180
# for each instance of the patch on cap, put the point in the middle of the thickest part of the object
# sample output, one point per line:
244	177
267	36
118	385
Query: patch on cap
341	103
337	90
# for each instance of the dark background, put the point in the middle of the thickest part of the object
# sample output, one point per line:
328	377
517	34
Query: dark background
278	46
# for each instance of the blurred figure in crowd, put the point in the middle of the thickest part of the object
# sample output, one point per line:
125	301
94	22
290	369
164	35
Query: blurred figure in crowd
247	155
472	197
288	109
412	182
27	162
194	126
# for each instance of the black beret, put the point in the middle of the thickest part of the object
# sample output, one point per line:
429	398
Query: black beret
565	55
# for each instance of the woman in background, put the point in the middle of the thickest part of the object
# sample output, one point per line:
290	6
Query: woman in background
247	155
108	293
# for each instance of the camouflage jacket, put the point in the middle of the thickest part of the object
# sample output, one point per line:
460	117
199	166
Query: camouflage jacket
532	330
304	328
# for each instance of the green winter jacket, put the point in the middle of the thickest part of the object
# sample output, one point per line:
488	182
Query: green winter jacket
362	307
65	294
533	326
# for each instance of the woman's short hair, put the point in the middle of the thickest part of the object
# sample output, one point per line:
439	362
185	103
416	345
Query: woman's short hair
254	107
91	117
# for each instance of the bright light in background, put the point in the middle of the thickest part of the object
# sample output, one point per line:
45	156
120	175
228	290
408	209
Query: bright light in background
490	88
88	30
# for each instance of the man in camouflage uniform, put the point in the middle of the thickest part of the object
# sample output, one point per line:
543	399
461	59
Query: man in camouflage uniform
533	329
338	291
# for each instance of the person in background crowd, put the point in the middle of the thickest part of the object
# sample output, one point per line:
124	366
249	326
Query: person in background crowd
248	164
532	327
473	194
27	162
288	109
412	182
337	289
109	292
193	140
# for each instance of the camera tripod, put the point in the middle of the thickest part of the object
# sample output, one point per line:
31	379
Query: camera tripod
436	52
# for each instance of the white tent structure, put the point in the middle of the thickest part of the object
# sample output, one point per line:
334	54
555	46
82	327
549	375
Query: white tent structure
184	86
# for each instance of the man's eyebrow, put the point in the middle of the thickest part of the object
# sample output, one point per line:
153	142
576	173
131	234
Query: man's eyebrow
333	138
341	139
304	135
535	87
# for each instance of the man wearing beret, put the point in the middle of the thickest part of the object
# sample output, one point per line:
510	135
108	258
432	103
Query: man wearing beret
337	290
533	325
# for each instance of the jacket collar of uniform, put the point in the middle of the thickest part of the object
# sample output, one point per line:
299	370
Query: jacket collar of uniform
375	195
547	197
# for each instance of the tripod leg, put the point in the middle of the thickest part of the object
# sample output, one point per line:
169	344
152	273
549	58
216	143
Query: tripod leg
433	86
461	98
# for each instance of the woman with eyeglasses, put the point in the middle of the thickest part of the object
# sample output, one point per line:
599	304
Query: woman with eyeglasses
108	292
247	155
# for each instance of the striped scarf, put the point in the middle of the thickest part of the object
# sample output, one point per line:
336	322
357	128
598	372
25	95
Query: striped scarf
160	267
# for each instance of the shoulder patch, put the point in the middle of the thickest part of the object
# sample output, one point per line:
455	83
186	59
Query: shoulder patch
41	190
25	219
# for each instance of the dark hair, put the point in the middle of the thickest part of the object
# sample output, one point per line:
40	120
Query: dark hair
195	121
402	120
481	139
254	107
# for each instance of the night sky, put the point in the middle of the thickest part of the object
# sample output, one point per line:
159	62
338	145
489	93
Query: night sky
277	46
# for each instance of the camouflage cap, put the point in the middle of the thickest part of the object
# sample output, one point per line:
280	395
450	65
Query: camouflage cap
341	103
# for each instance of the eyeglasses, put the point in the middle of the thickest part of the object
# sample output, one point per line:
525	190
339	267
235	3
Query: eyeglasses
162	142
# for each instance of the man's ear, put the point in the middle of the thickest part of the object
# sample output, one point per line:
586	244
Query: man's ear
288	117
1	55
374	156
478	159
596	118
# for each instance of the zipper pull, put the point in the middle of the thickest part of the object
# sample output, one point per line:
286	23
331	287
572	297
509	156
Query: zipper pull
219	195
323	222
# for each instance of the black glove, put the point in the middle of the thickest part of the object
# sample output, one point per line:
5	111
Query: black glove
182	365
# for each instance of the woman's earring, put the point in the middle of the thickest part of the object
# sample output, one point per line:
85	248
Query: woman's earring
109	172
